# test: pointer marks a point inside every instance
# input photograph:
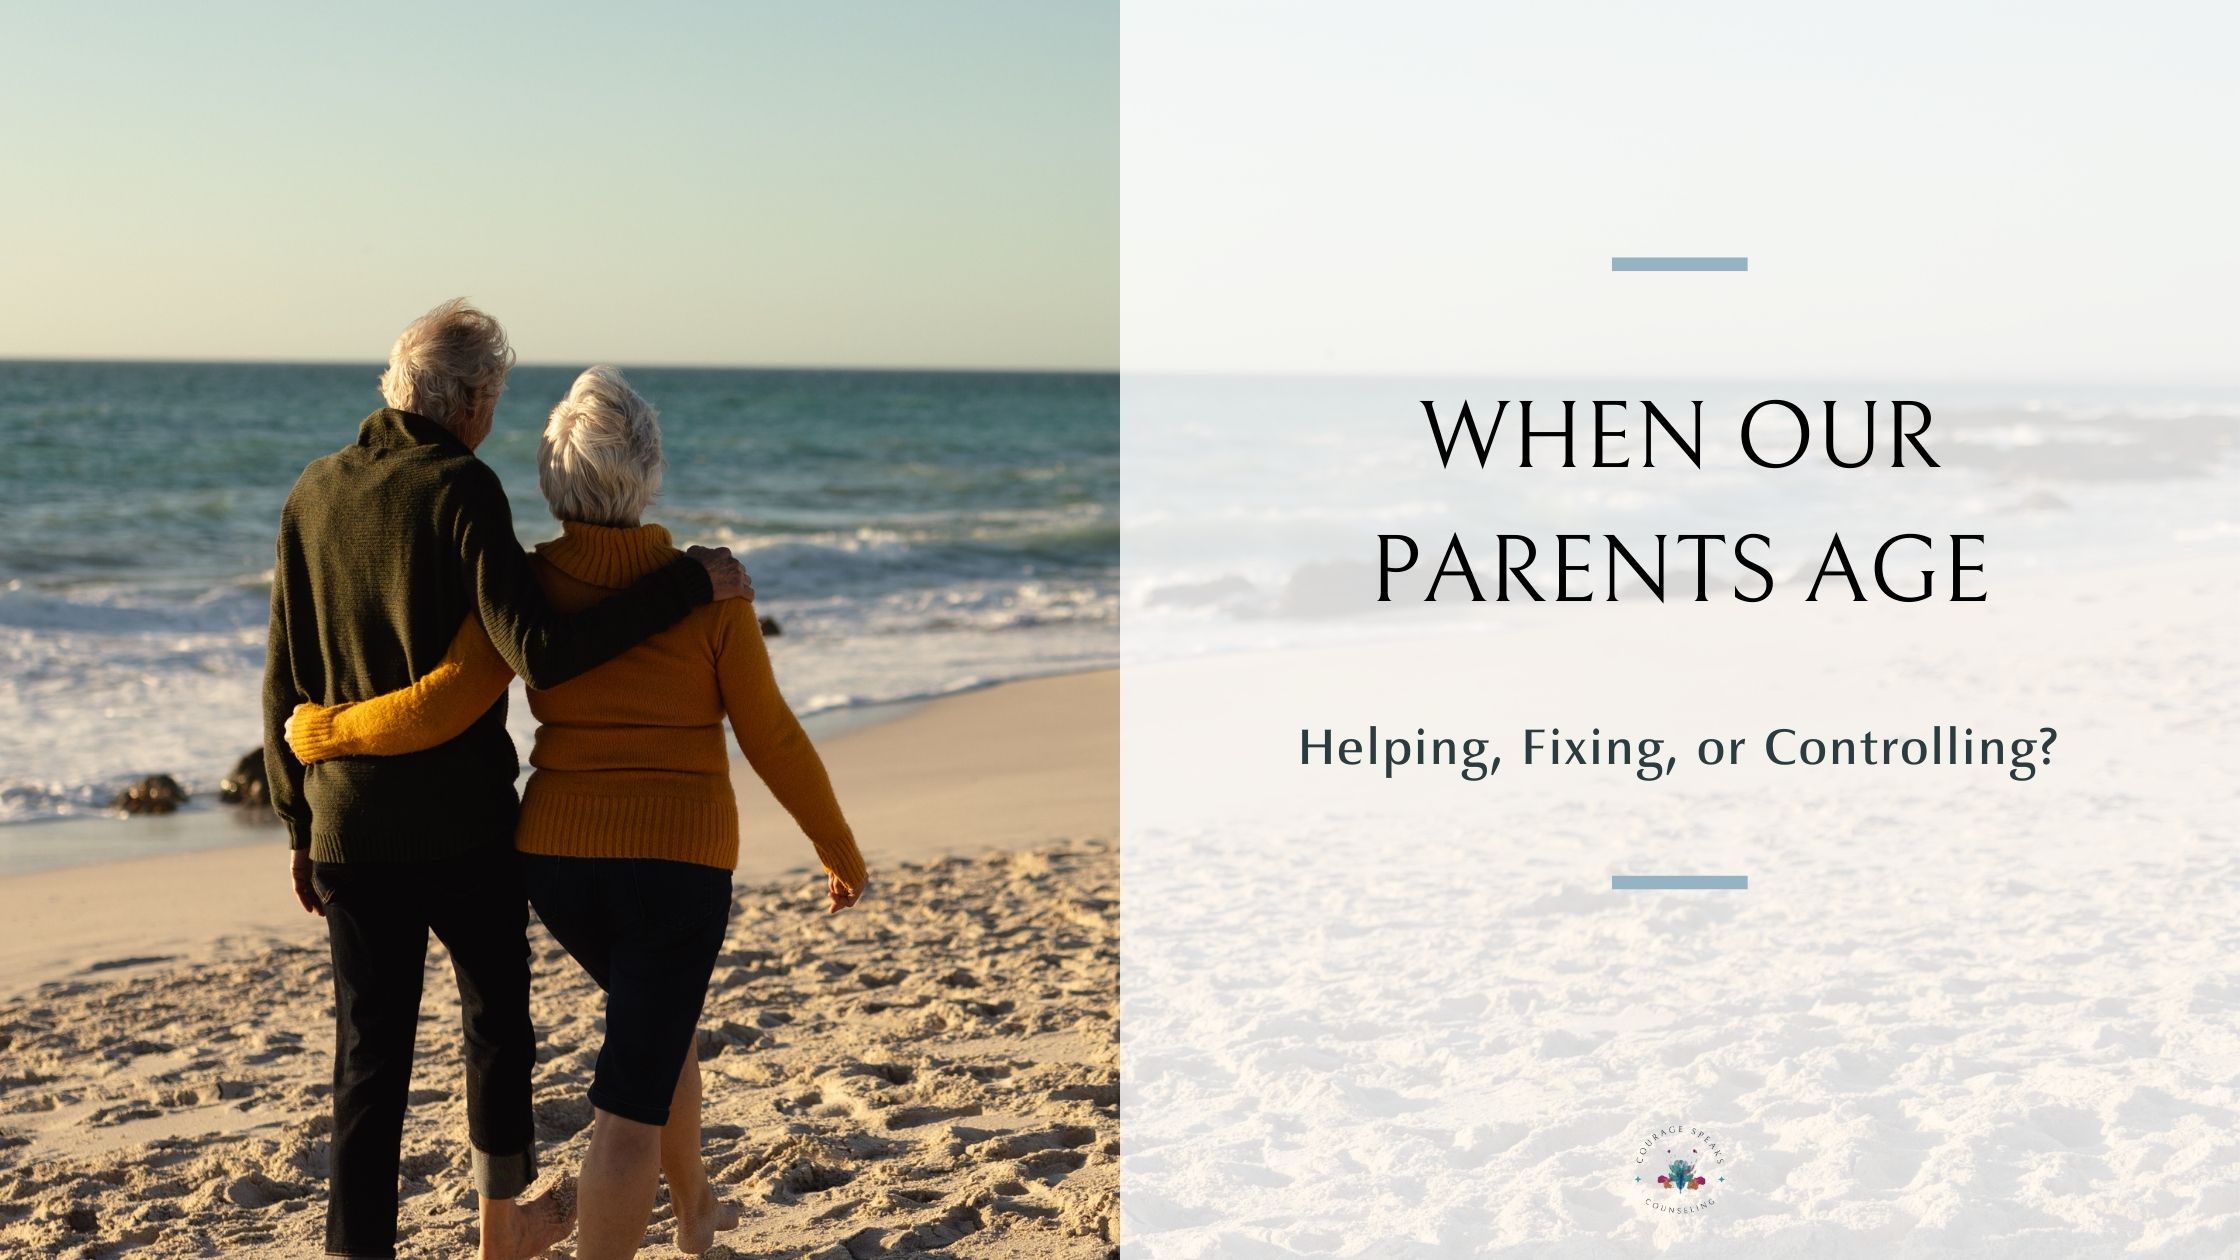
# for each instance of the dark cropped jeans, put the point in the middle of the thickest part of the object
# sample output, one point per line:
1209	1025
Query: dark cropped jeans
648	931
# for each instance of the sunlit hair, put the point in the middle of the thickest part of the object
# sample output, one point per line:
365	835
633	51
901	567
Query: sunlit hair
600	462
448	364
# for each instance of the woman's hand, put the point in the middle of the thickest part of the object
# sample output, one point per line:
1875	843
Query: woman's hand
292	729
842	895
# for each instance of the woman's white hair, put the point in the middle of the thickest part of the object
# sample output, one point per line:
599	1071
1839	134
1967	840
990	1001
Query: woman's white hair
448	364
600	461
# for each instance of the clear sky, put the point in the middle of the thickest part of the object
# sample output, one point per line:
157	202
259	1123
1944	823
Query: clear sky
860	185
1926	189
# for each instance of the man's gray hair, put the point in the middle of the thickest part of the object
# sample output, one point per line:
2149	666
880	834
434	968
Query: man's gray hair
600	462
447	364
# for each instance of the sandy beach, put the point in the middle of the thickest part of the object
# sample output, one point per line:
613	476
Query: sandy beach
937	1069
1954	1015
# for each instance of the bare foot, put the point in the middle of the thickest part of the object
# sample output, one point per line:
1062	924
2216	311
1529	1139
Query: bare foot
700	1217
530	1227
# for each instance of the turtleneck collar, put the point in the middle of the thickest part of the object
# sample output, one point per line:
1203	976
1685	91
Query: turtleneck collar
604	555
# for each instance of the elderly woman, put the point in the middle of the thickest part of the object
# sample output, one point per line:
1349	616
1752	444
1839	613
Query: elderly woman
629	832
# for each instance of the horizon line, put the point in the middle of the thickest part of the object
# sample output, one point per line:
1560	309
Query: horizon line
1441	376
377	363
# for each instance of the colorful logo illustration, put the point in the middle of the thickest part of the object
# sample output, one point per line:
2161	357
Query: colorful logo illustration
1681	1177
1694	1163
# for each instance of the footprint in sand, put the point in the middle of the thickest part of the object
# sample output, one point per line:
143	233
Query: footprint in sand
915	1117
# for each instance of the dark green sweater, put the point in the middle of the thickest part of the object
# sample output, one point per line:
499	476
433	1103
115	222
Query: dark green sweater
385	547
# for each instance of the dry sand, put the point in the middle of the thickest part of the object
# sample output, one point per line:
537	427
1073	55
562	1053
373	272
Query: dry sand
936	1069
1953	1015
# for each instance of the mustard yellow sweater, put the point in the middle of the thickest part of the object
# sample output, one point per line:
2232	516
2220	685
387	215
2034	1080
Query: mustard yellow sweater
629	757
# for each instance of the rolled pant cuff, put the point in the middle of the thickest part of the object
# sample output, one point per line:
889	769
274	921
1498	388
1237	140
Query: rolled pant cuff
504	1176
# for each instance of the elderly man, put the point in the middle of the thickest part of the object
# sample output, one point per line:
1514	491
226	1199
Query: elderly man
385	546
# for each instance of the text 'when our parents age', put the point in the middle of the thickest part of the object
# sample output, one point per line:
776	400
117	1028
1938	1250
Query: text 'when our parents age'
1906	567
1646	759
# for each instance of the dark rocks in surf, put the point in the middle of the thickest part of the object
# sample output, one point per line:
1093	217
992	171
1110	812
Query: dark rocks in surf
245	786
156	794
770	627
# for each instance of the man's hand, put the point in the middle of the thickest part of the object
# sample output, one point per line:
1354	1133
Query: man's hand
727	575
299	873
842	895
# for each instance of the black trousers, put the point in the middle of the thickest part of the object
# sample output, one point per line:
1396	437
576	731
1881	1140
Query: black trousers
378	919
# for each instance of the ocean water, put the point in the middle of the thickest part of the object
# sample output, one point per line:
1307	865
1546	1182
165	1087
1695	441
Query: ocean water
914	533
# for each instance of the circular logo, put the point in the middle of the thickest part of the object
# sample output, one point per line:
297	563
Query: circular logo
1679	1169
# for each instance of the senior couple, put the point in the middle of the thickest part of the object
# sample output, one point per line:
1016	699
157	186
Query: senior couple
402	606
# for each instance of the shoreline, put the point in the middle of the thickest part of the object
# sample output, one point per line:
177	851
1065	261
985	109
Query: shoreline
1004	766
106	837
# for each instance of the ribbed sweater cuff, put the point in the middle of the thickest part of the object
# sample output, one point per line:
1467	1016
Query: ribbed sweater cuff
840	858
311	733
